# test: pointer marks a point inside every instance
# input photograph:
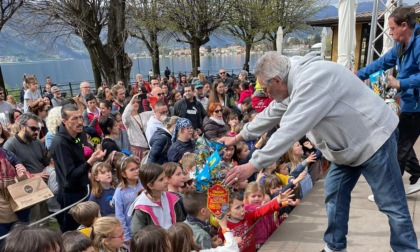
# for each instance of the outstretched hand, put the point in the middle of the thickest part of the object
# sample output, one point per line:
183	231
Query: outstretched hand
239	174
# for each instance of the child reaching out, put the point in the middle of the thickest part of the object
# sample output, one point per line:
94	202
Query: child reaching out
155	205
126	192
254	199
103	188
108	235
240	222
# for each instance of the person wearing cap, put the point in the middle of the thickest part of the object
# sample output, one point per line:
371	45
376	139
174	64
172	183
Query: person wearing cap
199	94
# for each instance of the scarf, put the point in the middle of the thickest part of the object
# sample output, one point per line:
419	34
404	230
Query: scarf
181	123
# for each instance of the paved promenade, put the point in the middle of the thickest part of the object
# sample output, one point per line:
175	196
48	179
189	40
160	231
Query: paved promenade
368	228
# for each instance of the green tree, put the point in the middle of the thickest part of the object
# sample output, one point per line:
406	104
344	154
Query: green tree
249	20
148	26
99	23
7	9
291	15
193	21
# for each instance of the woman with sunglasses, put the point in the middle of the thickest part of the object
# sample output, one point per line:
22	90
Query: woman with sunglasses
213	124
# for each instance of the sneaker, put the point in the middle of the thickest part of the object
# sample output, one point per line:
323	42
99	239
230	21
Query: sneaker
413	188
371	198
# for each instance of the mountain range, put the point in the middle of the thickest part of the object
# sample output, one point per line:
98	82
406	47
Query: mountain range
23	49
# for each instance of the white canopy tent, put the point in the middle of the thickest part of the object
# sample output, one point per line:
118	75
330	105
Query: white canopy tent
388	42
279	40
324	42
346	32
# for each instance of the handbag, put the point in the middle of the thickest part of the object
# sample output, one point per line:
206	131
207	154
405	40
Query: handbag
28	192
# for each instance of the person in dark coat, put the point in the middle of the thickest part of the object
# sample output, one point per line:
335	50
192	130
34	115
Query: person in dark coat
214	125
182	140
161	141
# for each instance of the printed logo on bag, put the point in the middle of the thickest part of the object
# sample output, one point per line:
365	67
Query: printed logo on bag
28	189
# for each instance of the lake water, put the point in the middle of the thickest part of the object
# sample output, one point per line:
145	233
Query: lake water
74	71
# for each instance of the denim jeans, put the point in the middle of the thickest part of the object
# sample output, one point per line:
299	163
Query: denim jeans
384	177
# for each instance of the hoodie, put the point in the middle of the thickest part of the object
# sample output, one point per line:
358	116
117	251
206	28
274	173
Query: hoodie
69	160
152	125
344	119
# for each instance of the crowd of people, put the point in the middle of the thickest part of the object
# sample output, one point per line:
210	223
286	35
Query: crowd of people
134	145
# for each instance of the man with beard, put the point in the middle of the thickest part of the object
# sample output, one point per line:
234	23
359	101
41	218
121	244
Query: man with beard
118	91
199	93
188	107
32	153
67	150
317	98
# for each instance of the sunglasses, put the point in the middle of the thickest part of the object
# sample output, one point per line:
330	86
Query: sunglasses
218	111
188	183
33	128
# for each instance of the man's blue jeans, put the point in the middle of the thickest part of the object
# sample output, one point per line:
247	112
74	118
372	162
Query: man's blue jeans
384	177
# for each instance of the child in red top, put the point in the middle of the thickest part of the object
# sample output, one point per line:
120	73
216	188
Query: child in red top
241	222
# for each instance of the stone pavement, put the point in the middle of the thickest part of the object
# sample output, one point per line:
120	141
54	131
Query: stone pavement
368	228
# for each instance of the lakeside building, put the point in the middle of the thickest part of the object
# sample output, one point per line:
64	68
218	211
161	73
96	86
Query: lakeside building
362	34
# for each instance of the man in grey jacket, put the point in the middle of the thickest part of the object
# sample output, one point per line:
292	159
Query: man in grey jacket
347	122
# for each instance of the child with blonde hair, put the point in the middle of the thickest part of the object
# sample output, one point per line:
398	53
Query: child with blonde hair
103	187
240	221
85	213
126	192
155	205
254	198
188	163
108	235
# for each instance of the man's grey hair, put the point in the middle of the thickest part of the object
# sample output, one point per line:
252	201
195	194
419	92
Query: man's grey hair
244	74
139	75
272	64
25	117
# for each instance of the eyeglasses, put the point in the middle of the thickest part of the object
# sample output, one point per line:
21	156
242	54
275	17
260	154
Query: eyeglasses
222	73
33	128
188	183
218	111
160	94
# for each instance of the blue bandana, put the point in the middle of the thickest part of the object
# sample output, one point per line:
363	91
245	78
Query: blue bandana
181	123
